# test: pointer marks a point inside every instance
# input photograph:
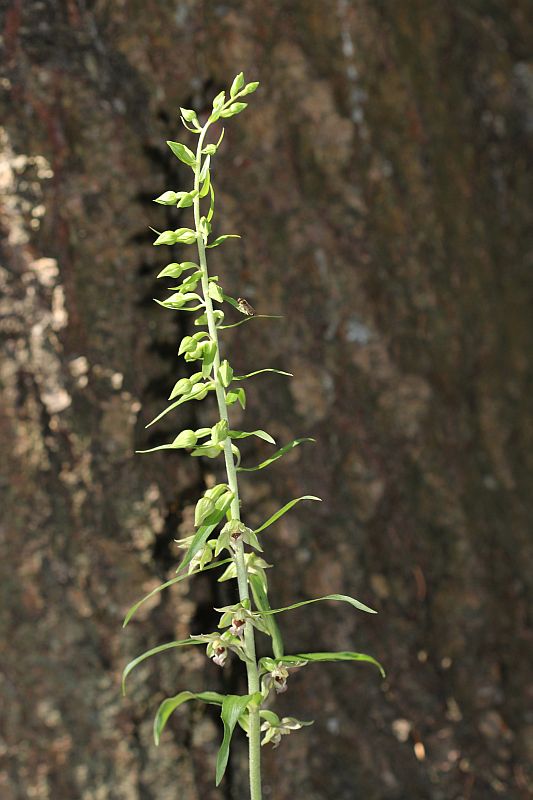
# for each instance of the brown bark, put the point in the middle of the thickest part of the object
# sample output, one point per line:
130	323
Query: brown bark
380	183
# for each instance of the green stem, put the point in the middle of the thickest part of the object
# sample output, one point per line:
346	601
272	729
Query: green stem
242	575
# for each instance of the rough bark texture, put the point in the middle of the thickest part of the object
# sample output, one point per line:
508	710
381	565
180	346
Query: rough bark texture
380	184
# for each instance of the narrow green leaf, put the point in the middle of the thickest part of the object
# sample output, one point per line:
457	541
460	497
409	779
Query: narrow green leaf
262	604
183	153
342	656
249	319
276	455
284	510
232	708
133	610
260	371
223	238
169	705
154	651
342	597
244	434
159	447
206	185
205	169
198	392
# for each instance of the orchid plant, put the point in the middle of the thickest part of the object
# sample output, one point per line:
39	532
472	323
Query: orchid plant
221	539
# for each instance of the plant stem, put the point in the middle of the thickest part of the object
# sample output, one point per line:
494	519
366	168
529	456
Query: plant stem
254	745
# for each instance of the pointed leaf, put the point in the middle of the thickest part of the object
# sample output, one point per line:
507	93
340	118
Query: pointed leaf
260	371
195	394
159	447
232	708
223	238
154	651
183	153
133	610
284	510
169	705
262	604
342	597
342	656
249	319
276	455
244	434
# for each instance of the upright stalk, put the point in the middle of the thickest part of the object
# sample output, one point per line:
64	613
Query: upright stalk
235	631
254	736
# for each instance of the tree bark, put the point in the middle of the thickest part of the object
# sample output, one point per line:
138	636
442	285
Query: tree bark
379	181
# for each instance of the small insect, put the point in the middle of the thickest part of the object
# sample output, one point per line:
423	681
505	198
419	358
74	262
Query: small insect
245	307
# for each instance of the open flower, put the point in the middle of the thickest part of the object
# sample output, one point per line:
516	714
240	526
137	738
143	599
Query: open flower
219	645
277	678
274	727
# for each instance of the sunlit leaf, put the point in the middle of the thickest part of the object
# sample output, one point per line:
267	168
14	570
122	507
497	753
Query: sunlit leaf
249	319
284	510
276	455
198	392
244	435
223	238
183	153
260	596
342	597
260	371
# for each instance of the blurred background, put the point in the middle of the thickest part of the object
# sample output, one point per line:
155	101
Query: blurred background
379	180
